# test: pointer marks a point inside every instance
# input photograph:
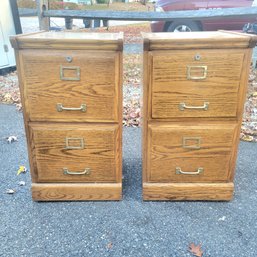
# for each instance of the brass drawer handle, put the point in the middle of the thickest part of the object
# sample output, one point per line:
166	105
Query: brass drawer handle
61	108
87	171
202	68
179	171
183	106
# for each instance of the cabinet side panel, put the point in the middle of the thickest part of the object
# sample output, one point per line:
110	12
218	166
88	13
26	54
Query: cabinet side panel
145	108
32	161
120	117
240	108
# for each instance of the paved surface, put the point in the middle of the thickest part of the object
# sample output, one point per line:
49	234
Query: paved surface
30	24
131	228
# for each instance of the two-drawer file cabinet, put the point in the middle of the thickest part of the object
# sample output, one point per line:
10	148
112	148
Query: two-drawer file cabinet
71	89
194	91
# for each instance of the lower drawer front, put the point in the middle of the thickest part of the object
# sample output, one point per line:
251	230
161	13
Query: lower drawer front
192	153
76	153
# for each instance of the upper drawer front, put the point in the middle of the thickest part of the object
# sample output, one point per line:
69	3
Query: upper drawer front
193	153
65	153
196	83
55	81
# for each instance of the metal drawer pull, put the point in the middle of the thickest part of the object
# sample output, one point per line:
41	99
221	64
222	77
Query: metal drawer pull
61	108
179	171
87	171
183	106
202	68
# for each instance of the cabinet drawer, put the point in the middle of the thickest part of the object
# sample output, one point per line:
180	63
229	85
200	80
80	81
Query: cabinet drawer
192	153
76	153
71	85
196	83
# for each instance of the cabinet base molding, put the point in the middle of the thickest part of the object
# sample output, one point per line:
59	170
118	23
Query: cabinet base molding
76	192
188	191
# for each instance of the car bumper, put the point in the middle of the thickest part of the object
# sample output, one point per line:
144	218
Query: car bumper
157	26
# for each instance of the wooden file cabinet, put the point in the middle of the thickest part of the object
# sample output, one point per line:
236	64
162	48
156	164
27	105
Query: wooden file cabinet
71	92
194	91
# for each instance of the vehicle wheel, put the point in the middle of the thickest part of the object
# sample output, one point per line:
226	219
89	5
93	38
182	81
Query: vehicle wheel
183	26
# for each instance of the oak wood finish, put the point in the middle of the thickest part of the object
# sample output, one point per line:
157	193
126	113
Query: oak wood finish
188	191
69	41
76	191
190	147
76	147
190	153
97	86
74	154
170	85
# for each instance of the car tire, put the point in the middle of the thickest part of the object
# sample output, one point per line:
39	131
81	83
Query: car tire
183	26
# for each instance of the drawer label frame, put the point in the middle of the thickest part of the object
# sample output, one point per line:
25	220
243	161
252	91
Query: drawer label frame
204	69
197	144
75	68
70	147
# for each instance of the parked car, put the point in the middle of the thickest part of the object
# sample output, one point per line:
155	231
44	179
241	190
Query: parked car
206	25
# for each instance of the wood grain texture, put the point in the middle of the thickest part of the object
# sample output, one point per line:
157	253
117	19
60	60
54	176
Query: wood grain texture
76	192
199	40
170	85
166	151
145	109
97	87
227	56
69	41
188	191
119	97
99	152
100	61
242	94
32	162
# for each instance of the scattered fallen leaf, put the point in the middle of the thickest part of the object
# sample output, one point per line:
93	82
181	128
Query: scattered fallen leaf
222	218
247	138
109	246
249	125
10	191
18	106
22	169
196	250
11	139
22	183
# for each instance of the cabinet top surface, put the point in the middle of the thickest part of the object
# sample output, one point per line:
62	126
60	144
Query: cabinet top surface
74	35
210	39
68	40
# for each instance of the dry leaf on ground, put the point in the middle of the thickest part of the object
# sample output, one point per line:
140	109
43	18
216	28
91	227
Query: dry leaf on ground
196	250
22	169
11	139
109	246
10	191
249	124
9	89
132	33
